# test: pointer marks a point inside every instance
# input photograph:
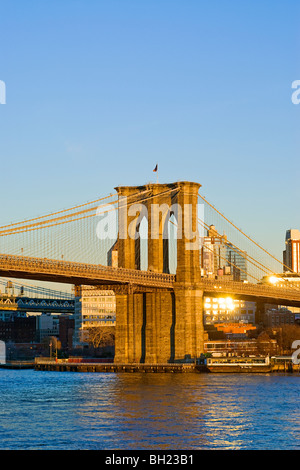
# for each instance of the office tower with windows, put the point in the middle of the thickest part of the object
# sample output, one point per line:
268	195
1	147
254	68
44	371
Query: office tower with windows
291	254
237	260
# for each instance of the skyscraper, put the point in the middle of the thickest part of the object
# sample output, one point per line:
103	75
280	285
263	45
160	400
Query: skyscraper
217	254
237	260
213	251
291	254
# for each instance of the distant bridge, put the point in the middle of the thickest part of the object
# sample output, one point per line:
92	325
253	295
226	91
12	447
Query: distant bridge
28	304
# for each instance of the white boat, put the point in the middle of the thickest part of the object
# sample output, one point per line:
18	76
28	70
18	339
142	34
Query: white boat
238	364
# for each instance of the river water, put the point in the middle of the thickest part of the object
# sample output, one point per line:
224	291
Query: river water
68	411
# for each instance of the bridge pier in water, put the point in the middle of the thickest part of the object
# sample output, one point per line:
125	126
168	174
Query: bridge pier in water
144	328
160	325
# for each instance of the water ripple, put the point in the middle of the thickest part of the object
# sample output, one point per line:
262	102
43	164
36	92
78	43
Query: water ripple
53	410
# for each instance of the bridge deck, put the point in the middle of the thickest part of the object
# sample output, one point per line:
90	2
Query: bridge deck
45	269
91	274
270	294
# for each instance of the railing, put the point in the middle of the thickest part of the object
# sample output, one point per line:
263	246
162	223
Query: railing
261	290
134	276
22	263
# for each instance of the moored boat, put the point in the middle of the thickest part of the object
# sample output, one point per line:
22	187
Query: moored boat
239	364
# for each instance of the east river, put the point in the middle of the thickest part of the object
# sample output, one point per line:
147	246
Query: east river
143	411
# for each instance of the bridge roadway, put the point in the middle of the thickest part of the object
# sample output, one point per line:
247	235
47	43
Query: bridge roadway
263	293
44	269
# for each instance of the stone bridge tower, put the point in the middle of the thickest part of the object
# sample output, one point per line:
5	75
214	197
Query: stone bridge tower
159	326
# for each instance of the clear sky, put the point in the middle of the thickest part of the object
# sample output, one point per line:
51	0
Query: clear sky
99	91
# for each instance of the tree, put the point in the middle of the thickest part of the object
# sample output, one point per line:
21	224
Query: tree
52	344
285	335
265	345
101	336
289	334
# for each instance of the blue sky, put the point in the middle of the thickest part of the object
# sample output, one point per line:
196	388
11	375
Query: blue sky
98	92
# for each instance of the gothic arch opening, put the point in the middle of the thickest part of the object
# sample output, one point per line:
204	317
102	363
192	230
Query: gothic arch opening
141	245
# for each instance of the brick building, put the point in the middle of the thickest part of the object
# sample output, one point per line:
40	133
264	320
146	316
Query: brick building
18	330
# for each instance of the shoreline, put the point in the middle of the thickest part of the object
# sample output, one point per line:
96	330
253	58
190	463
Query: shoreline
102	366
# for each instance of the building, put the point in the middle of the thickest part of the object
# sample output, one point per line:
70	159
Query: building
291	254
237	260
219	257
283	280
19	329
248	347
6	315
212	253
278	317
228	310
46	325
8	304
112	256
66	326
235	330
95	307
225	347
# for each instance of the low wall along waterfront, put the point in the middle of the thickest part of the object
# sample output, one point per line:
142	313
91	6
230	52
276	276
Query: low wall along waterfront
63	365
242	365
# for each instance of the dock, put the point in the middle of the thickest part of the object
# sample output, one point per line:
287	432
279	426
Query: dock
276	365
81	366
18	365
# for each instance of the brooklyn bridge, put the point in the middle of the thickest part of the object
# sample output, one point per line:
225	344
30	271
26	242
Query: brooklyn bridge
145	243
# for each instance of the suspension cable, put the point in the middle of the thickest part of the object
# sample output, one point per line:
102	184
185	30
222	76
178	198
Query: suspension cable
243	233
